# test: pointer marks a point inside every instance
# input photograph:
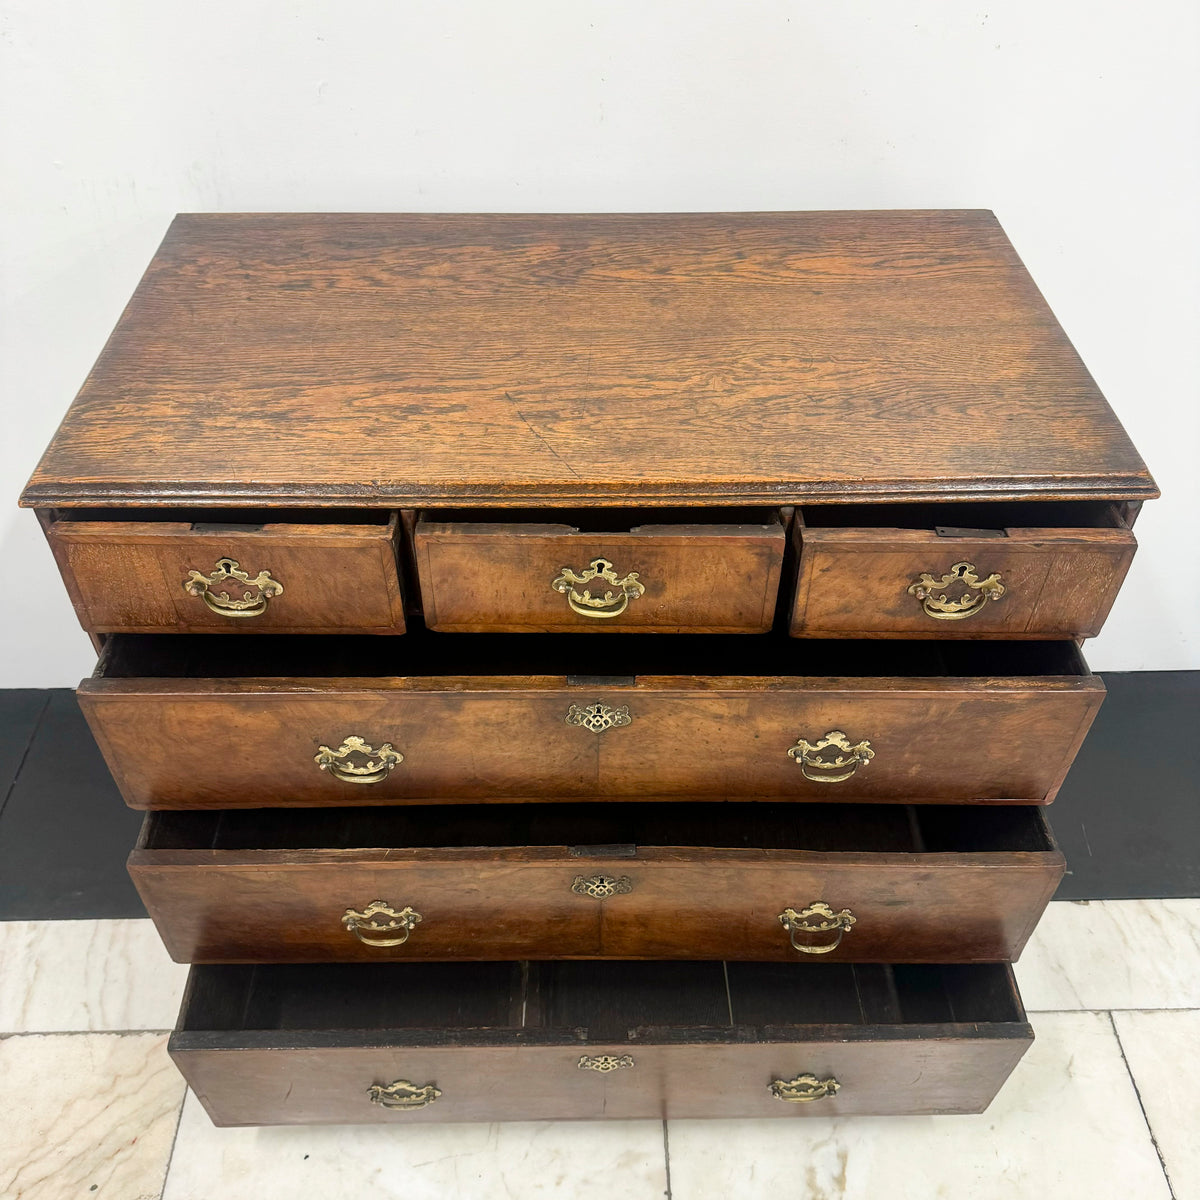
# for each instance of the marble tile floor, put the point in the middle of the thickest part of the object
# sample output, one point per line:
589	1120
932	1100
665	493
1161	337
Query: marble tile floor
1105	1104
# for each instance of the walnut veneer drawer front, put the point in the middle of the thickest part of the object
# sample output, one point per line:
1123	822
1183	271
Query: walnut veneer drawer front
410	1043
231	575
964	571
692	571
854	883
253	722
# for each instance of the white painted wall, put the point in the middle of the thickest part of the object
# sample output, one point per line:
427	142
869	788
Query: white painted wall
1075	120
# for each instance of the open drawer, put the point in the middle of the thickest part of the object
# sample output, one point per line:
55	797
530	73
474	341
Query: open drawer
857	883
693	570
230	571
1002	570
409	1043
192	722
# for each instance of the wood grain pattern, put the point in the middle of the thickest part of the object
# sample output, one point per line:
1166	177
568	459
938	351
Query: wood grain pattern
416	359
696	1051
931	1072
248	744
128	576
690	900
1058	582
696	578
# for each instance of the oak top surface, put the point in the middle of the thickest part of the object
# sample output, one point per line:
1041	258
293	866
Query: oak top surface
509	359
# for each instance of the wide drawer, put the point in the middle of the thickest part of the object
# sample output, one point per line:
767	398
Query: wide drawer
230	572
414	1043
958	570
856	883
696	571
255	722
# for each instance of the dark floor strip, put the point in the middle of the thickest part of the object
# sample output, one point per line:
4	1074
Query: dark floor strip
65	832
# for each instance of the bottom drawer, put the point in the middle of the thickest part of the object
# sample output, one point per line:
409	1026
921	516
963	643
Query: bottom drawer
442	1042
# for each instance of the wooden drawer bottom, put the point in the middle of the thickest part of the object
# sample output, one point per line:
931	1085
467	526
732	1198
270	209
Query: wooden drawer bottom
409	1042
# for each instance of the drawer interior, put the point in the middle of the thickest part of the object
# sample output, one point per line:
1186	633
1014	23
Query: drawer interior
599	1001
617	659
604	520
972	520
215	520
617	829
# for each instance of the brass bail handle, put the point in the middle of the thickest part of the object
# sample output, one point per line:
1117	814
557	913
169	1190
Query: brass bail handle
804	1089
831	759
611	603
381	925
354	761
818	917
214	589
403	1093
934	594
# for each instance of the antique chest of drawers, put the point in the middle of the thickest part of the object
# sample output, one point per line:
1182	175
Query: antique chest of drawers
591	665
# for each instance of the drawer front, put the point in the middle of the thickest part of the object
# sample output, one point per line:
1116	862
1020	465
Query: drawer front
518	577
362	906
155	577
332	1085
250	744
829	907
683	902
1032	583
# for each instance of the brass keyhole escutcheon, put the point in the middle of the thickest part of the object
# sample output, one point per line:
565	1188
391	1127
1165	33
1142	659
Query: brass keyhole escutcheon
600	887
598	717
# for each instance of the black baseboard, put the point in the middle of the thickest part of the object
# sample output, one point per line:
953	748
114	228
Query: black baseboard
1128	818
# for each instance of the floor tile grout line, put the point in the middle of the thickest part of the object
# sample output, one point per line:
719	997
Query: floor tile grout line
1162	1162
16	1033
37	725
667	1157
174	1141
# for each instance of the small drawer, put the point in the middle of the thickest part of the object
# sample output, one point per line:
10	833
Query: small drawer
1037	570
436	718
412	1043
230	572
676	571
830	883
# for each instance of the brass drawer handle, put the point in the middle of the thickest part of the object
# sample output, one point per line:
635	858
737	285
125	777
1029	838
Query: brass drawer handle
818	917
256	595
403	1094
339	763
804	1089
600	887
611	604
821	769
605	1062
598	717
381	925
937	604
